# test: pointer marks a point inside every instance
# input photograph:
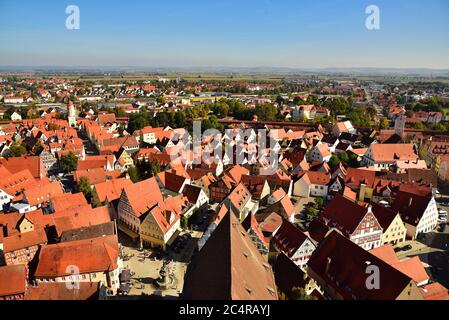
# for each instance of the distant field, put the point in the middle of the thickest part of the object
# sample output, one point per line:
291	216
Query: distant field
256	77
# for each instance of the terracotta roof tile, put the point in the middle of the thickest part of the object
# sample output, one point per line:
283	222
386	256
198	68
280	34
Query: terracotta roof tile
13	280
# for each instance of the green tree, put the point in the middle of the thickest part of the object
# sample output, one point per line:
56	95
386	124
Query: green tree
319	201
38	148
85	187
133	174
343	156
95	199
311	212
18	150
185	223
334	161
160	99
137	122
384	124
120	113
68	162
155	167
372	112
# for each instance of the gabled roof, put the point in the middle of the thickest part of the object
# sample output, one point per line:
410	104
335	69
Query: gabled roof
68	200
104	118
31	163
94	175
250	223
315	177
111	189
90	255
357	176
24	240
254	184
143	195
235	173
384	216
270	224
171	181
342	265
392	152
410	206
44	193
434	291
289	238
83	216
344	214
191	192
229	267
14	183
240	196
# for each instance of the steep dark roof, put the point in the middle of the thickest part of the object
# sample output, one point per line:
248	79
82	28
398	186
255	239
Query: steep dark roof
288	275
343	214
383	215
229	267
410	206
191	192
342	265
289	238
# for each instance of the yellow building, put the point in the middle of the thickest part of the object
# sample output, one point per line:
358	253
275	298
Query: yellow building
392	224
124	160
159	227
26	224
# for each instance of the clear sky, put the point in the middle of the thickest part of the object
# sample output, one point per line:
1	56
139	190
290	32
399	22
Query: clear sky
237	33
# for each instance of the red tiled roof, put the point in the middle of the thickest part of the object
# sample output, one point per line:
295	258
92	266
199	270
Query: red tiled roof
17	164
343	214
240	196
44	193
143	195
13	280
24	240
95	175
60	291
82	216
111	189
434	291
90	255
356	176
14	183
392	152
412	267
68	200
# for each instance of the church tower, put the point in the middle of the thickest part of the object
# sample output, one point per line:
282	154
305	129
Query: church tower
72	114
399	125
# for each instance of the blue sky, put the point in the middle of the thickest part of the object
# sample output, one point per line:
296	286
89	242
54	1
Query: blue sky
238	33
